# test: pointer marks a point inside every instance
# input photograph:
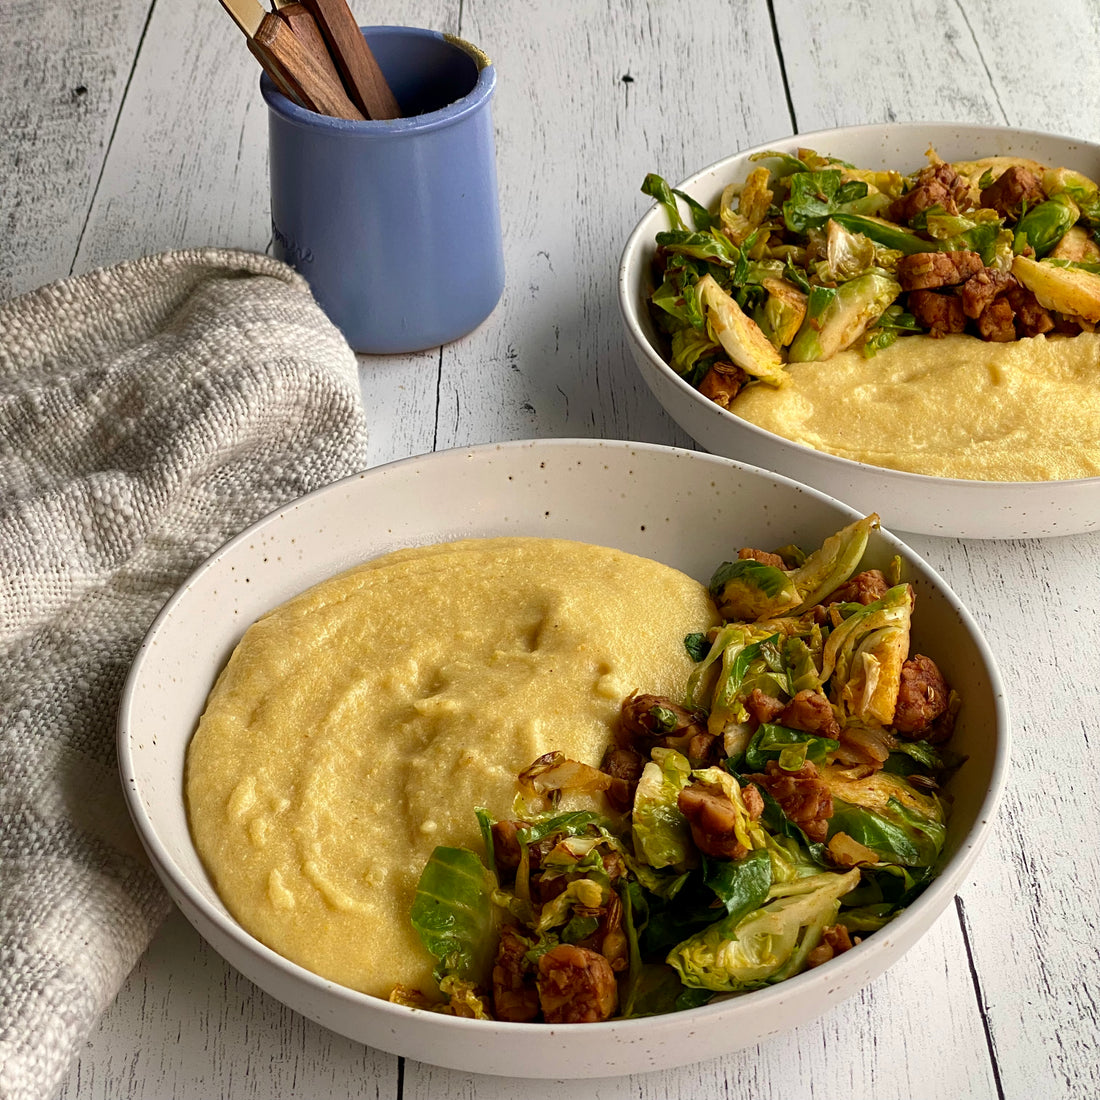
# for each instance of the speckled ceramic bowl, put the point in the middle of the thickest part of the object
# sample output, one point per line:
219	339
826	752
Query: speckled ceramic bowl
906	502
684	508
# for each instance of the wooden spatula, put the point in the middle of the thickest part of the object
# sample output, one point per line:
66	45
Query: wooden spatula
356	63
289	62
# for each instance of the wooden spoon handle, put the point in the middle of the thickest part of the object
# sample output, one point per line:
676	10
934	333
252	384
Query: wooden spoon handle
305	29
280	78
317	85
356	63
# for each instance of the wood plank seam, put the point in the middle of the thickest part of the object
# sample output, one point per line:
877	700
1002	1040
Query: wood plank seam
110	140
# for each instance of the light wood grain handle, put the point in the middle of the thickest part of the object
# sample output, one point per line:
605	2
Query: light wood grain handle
356	63
281	79
305	29
317	85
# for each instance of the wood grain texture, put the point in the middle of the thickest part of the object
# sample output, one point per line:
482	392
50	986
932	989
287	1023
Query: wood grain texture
847	64
178	177
590	99
281	79
64	71
401	396
1042	71
300	64
1031	923
305	29
225	1038
354	59
297	17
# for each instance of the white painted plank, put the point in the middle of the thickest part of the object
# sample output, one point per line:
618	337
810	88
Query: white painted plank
63	69
575	141
871	1047
401	397
187	166
186	1026
1043	62
1032	921
851	62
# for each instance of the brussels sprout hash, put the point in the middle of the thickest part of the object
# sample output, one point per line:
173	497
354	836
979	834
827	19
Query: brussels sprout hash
789	806
810	255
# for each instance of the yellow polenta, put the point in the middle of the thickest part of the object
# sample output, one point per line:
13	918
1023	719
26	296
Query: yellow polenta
359	725
956	407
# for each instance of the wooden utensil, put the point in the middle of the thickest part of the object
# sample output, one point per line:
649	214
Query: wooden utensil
289	62
305	28
282	80
356	63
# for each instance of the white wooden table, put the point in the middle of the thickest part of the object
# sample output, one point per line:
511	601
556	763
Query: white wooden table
130	126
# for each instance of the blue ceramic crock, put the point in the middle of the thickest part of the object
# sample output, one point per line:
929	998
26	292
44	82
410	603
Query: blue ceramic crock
395	223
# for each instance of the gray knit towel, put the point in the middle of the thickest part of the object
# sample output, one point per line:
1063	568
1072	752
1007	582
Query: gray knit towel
147	413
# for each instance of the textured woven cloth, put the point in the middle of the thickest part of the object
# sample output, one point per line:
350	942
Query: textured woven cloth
147	413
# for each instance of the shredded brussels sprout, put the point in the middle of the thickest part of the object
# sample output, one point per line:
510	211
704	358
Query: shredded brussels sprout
808	256
785	810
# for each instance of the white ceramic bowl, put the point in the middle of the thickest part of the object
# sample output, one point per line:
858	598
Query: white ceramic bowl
906	502
684	508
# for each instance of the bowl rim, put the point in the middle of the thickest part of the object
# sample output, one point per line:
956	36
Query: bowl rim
935	897
641	238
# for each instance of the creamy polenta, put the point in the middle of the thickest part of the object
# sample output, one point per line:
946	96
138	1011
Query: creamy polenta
359	725
954	407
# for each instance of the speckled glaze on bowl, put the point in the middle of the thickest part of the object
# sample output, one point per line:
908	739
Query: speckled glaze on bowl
906	502
681	507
